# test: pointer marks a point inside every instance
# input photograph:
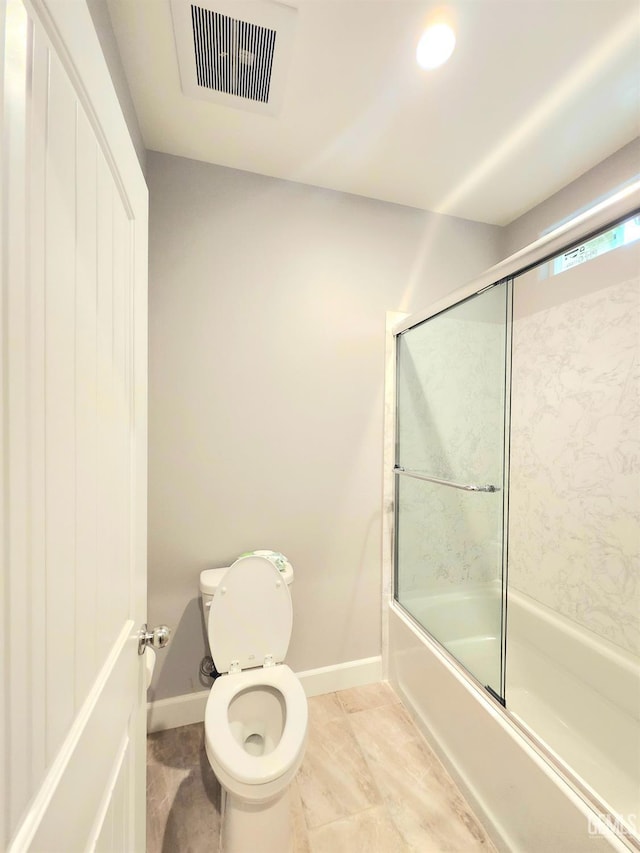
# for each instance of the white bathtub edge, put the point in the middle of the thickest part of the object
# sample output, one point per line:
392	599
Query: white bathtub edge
189	708
490	760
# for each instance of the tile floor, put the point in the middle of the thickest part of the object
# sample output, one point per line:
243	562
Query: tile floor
369	782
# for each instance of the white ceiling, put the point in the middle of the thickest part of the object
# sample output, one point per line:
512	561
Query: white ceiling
536	93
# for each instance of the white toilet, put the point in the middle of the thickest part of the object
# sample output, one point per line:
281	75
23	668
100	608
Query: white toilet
256	716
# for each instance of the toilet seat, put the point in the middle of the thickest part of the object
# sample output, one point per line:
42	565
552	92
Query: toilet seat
256	769
250	617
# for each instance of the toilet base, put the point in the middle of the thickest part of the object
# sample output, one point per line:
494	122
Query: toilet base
246	826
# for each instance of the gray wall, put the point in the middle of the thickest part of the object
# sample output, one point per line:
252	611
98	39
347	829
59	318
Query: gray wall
104	29
598	183
267	313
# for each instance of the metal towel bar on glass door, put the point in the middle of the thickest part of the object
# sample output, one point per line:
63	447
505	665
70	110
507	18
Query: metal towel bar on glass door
467	487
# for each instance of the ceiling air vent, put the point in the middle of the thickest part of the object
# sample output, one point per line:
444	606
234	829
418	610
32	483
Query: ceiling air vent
232	56
234	53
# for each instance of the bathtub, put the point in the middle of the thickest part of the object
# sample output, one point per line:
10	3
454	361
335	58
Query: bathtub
581	695
571	726
467	624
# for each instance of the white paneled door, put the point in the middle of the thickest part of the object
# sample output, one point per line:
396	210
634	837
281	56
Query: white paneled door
73	318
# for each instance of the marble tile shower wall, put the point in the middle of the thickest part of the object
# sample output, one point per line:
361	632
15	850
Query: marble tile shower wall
451	392
575	460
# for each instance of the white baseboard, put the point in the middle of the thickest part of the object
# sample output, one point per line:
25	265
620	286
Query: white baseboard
340	676
189	708
176	711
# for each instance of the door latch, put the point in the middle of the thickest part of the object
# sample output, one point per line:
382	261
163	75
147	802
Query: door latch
157	638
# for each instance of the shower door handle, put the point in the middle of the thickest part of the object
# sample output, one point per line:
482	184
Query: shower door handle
467	487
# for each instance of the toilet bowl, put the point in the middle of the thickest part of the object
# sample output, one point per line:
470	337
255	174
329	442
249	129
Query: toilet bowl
256	713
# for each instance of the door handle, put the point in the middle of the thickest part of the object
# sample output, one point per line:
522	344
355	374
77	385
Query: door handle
157	638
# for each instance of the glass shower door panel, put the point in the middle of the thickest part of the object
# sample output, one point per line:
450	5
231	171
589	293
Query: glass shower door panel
449	552
574	518
450	473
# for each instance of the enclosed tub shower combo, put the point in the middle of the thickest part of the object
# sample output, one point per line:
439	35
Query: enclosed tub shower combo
513	534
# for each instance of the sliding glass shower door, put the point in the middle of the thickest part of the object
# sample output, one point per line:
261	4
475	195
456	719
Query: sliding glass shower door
450	479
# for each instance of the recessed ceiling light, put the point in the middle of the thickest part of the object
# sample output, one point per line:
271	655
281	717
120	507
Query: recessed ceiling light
435	46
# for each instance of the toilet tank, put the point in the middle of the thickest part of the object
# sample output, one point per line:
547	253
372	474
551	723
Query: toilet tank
211	578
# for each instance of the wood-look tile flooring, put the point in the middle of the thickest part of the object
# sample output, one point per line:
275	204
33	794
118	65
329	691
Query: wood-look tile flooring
369	782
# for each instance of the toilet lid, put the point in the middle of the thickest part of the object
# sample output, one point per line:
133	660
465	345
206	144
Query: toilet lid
251	616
